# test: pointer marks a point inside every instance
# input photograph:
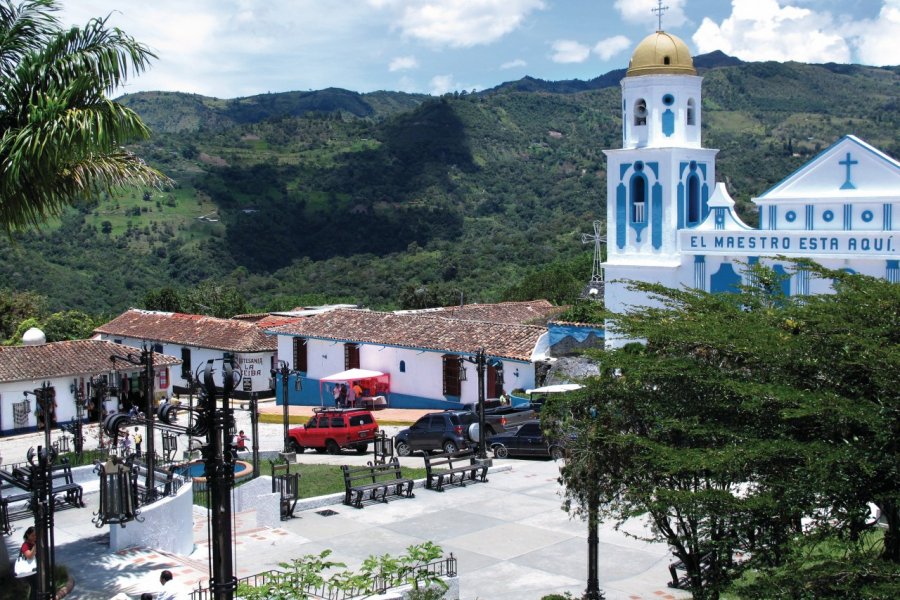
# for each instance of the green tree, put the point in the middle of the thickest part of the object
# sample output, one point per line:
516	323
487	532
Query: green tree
69	325
214	300
744	416
165	299
61	136
15	307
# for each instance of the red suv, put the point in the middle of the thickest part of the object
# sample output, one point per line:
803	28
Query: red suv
331	429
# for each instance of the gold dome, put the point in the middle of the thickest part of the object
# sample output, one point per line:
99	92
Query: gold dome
661	53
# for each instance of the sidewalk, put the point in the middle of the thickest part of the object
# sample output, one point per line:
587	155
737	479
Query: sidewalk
510	536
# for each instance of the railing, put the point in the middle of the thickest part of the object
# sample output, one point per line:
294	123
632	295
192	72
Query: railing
445	567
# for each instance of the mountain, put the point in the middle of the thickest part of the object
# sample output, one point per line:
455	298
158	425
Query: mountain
371	198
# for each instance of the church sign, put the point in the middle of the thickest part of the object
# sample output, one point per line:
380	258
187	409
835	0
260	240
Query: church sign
833	244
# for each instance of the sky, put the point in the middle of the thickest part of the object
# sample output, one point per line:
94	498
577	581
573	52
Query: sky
237	48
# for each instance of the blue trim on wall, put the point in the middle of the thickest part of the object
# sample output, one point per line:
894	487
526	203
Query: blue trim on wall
725	280
704	193
773	217
654	166
309	396
681	207
848	162
848	217
700	272
623	168
668	122
762	217
786	283
887	224
702	167
621	215
657	215
681	168
810	217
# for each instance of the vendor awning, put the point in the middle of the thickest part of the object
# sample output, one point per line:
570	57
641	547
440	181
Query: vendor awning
555	389
353	375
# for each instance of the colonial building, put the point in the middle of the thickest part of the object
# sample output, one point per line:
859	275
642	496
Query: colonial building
425	356
669	222
75	371
197	339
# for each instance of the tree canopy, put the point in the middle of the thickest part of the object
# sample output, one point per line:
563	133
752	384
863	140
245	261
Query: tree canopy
752	425
61	137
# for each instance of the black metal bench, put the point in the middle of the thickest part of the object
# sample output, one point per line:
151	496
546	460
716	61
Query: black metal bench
20	509
373	481
449	469
62	472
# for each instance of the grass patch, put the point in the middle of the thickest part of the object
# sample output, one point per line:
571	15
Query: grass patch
315	479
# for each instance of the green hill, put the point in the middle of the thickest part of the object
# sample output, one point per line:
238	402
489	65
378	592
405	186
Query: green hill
363	196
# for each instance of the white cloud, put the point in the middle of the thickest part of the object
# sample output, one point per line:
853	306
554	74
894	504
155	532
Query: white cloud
764	30
642	11
403	63
460	23
441	84
514	64
569	51
876	41
609	47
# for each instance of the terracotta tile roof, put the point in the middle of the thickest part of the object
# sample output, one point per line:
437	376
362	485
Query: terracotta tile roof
531	311
419	330
198	331
63	359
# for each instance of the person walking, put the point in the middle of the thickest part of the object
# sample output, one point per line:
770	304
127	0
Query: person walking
29	550
138	438
125	444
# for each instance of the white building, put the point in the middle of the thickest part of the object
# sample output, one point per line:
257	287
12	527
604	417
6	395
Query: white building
67	369
668	221
197	339
425	354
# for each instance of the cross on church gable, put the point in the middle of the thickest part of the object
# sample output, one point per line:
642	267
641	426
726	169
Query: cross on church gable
848	162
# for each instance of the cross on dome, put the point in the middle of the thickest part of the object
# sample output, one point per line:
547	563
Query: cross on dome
659	10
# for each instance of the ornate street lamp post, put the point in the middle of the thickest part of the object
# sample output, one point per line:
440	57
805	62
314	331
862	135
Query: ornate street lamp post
145	360
41	480
480	362
285	373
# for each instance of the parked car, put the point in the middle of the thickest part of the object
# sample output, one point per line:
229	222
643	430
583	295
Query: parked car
528	440
446	431
331	429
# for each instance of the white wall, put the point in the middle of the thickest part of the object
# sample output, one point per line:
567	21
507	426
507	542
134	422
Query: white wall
255	364
167	525
13	393
424	372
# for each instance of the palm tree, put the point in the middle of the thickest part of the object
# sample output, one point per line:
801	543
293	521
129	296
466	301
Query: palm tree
60	136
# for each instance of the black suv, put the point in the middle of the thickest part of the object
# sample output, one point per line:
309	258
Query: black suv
446	431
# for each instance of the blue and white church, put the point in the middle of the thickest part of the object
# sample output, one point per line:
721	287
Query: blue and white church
669	222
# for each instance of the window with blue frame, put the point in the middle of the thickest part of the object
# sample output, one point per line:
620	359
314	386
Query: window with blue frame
695	212
638	199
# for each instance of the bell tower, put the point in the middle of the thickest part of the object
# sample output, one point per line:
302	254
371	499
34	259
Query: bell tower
661	180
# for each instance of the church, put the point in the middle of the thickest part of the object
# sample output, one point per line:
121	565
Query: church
670	222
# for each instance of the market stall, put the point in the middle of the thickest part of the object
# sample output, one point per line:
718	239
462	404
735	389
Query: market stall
361	388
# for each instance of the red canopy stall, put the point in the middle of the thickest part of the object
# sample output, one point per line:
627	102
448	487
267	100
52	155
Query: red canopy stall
376	386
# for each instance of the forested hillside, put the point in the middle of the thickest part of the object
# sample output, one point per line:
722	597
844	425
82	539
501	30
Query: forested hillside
376	198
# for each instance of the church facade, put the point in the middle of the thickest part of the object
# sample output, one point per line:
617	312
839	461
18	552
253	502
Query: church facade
669	222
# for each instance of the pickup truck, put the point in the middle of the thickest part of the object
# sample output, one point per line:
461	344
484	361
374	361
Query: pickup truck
499	419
